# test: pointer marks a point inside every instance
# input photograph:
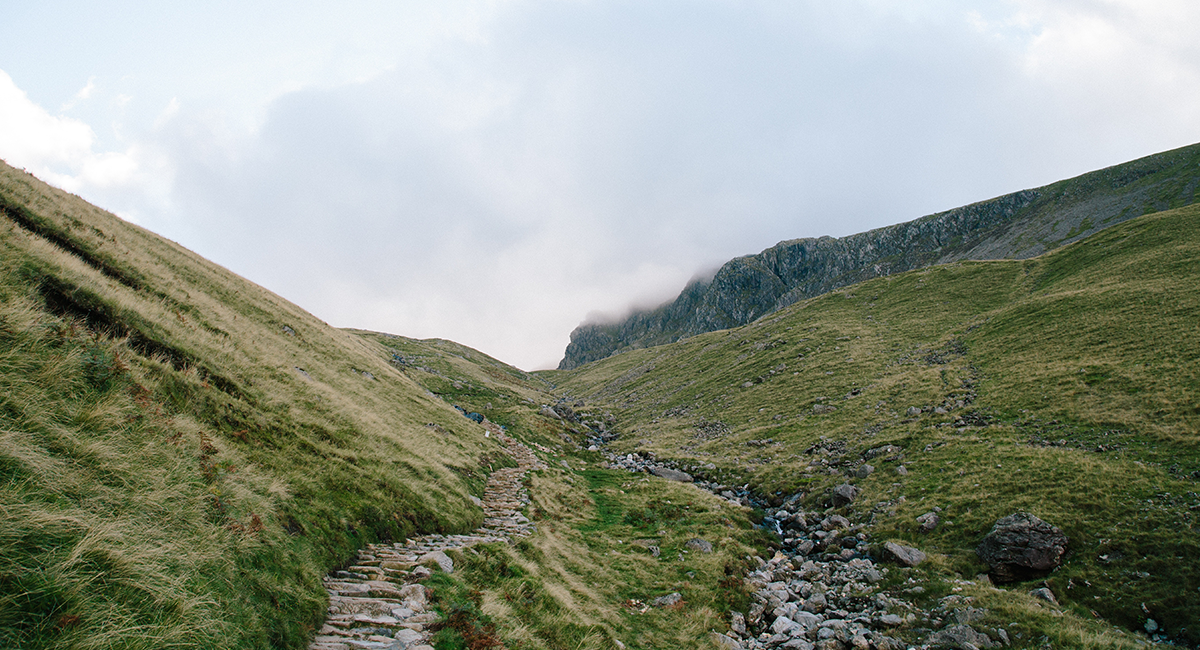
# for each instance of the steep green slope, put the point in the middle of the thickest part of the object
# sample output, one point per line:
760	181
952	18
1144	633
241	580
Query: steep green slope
1014	226
1065	385
183	454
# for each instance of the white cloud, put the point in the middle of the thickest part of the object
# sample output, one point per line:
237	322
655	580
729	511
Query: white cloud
32	138
57	148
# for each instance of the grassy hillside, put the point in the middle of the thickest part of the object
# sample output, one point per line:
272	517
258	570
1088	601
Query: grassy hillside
608	542
183	454
1066	385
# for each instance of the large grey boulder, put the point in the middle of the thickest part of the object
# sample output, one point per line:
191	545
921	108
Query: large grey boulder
901	554
1021	546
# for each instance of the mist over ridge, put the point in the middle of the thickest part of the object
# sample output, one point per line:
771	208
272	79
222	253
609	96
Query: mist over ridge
1013	226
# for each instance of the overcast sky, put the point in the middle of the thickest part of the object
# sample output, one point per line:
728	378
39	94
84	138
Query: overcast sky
496	172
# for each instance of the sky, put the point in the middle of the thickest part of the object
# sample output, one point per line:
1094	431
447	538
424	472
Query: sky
497	172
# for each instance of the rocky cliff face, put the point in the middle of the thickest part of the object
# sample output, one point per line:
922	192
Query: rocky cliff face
1019	225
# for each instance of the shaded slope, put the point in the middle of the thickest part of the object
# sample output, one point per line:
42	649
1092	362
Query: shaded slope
1063	385
1014	226
184	453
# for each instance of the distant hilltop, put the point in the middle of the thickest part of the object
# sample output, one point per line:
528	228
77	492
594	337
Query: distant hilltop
1014	226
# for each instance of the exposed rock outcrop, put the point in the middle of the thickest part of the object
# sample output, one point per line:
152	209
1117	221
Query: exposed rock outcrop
1018	225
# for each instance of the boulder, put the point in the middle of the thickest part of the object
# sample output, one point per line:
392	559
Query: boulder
697	544
960	636
1021	546
835	522
565	412
668	600
844	494
901	554
405	638
1044	594
443	561
928	521
725	642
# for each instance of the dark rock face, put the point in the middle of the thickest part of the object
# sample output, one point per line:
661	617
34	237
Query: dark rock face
1019	225
1021	546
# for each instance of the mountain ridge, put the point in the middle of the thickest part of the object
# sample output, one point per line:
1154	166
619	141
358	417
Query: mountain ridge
1018	225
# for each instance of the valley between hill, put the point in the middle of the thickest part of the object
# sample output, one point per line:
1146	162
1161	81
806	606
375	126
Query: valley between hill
185	457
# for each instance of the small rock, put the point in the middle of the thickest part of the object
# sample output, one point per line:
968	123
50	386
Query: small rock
906	555
1151	626
960	636
835	522
816	603
902	470
820	409
405	638
1044	594
844	494
891	620
697	544
928	521
737	623
913	411
864	471
725	642
668	600
442	560
784	625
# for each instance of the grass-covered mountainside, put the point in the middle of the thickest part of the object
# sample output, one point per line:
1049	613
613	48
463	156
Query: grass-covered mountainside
1014	226
1065	385
183	454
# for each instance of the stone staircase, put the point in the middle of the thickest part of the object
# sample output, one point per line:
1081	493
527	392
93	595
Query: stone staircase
379	601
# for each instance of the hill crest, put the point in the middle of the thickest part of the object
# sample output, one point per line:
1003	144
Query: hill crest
1019	225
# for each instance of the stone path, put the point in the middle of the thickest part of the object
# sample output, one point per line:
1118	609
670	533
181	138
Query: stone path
379	601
